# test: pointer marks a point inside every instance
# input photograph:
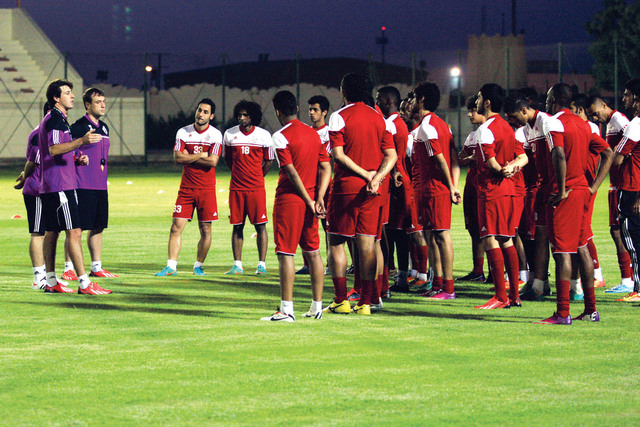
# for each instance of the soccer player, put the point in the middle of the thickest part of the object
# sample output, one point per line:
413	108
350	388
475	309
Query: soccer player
363	154
197	149
600	112
58	184
498	157
470	197
569	141
248	151
93	200
627	157
304	166
439	174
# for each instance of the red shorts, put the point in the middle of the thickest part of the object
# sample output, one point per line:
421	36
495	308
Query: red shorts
403	213
252	204
351	214
540	208
294	224
518	207
386	197
436	213
470	208
495	217
567	223
589	218
527	226
614	212
203	199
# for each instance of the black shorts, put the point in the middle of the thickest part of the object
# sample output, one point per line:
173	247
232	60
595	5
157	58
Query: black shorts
60	210
34	213
94	209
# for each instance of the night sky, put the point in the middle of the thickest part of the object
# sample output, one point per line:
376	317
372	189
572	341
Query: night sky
195	33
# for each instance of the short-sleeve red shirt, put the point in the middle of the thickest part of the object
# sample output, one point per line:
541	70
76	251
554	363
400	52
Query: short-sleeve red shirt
207	141
435	137
247	151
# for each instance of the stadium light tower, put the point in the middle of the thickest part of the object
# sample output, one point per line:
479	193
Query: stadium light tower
382	41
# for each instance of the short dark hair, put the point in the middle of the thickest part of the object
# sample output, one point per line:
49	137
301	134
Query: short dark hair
562	94
493	93
46	108
430	93
392	93
210	103
356	88
581	100
471	102
321	100
89	94
253	110
633	86
285	102
54	90
592	100
515	103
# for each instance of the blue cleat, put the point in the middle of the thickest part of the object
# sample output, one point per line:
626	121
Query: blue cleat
235	270
262	270
199	272
167	272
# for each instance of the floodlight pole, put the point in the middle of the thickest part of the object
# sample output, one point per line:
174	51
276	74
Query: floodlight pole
145	89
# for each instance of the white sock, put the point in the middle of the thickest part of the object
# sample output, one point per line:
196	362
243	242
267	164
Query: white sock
413	273
96	266
538	285
597	274
51	279
627	281
286	307
238	263
316	306
262	264
172	264
68	265
84	281
524	275
196	265
422	276
39	273
576	286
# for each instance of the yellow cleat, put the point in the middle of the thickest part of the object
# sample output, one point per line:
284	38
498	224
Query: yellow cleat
341	308
362	309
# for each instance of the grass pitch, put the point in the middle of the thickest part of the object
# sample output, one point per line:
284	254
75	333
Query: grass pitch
191	350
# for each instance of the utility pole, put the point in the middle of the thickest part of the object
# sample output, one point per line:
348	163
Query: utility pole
382	41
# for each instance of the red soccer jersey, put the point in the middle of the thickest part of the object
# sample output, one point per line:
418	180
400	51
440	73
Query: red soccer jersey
538	144
616	126
362	133
575	136
207	141
496	140
247	152
300	145
323	133
433	137
594	159
398	129
629	172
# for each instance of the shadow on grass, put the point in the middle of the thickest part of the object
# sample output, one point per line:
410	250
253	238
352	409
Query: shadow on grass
459	316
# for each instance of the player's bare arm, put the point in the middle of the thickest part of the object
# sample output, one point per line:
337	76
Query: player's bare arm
324	176
605	164
28	170
465	157
513	167
441	164
208	159
64	147
388	162
560	170
183	157
266	165
455	171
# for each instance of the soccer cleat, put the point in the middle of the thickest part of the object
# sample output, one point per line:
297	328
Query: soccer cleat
473	277
58	289
316	315
555	320
574	296
416	283
261	270
514	303
489	279
41	284
278	316
443	295
593	317
632	297
376	307
599	283
340	308
532	295
93	289
198	271
351	269
352	295
235	270
429	293
364	309
385	294
492	304
622	288
303	270
167	271
102	273
69	275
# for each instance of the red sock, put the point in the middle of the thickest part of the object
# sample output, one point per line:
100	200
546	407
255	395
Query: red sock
375	294
563	288
589	300
448	286
357	281
423	259
624	261
513	264
496	266
340	288
384	285
368	287
478	264
594	253
437	284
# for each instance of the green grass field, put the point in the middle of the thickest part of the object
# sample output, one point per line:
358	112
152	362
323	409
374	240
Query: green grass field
191	350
